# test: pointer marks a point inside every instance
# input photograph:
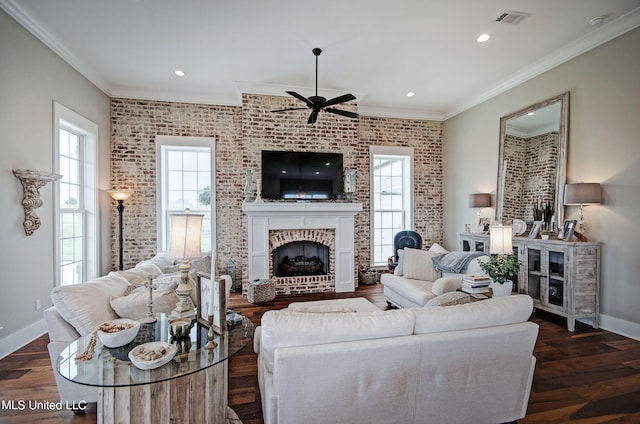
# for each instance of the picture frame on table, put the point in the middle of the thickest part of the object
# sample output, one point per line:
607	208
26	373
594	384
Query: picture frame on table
212	302
535	229
483	224
568	228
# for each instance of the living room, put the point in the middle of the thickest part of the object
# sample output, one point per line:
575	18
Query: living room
454	157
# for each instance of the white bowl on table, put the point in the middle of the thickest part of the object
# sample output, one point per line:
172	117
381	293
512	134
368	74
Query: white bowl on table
121	337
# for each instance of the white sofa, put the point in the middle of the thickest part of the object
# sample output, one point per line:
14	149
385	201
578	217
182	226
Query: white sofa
415	281
79	308
470	363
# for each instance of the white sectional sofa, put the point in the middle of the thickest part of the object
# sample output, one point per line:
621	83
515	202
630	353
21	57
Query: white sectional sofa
415	281
470	363
78	309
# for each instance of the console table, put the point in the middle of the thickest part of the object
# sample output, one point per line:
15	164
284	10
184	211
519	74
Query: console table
191	388
562	277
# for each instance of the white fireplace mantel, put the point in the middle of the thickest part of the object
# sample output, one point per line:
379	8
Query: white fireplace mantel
263	217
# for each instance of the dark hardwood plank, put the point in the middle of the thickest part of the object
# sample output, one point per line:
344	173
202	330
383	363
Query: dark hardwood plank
589	376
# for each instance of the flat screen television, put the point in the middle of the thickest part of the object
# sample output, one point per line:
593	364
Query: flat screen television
301	175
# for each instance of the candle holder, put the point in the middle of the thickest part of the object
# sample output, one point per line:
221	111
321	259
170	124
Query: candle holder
151	317
210	335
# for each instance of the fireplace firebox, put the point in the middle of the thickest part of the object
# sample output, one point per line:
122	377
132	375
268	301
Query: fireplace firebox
301	257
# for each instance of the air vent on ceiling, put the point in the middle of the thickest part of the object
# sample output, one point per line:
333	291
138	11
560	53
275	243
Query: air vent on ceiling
511	17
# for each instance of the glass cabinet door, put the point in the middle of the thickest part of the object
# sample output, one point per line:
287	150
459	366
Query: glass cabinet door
556	271
534	274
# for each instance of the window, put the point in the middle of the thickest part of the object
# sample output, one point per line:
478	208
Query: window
75	144
185	180
392	200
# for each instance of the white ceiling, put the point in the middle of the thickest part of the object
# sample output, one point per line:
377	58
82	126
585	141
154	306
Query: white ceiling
376	49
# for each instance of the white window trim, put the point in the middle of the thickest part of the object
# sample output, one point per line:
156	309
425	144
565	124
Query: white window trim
389	151
167	140
66	118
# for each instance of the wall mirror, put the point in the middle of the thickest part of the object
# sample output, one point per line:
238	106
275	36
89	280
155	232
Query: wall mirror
532	160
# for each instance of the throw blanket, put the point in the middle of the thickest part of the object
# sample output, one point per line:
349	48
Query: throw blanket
455	261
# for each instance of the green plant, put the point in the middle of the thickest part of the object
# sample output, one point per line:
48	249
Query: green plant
501	267
544	232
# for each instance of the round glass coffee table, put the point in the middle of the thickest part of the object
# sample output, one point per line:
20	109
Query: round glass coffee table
191	388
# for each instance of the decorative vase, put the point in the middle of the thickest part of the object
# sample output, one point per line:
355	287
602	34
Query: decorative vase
500	290
545	236
248	185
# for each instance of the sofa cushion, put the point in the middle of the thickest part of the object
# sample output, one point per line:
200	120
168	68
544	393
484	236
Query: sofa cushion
399	269
485	313
86	305
173	279
153	269
417	291
287	328
418	265
135	276
134	305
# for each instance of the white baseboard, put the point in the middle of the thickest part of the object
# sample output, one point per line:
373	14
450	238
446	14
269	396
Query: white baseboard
15	341
620	326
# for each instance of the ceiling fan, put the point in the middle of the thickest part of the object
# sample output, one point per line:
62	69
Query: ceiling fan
317	103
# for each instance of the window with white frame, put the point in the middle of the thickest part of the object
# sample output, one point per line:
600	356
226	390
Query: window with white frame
186	181
75	146
391	198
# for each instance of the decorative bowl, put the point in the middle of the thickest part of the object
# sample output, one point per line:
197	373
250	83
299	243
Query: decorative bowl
152	355
118	332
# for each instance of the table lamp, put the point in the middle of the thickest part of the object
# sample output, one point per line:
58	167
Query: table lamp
185	242
582	194
479	200
500	240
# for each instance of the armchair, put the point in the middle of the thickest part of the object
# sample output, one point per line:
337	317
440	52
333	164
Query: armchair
402	239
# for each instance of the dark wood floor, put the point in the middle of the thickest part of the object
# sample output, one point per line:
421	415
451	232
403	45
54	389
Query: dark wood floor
589	376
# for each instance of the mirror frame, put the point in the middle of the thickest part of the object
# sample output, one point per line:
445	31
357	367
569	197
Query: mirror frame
563	140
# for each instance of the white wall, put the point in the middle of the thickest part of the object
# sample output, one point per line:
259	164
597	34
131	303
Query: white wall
604	147
31	78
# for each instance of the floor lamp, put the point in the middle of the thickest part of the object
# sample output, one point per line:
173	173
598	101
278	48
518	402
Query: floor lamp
184	244
120	196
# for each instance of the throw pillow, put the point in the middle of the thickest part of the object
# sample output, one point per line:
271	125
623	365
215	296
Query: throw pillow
134	276
172	281
418	265
448	299
435	247
400	268
86	305
134	306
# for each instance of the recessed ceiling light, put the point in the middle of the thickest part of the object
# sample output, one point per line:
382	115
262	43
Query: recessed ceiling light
483	37
597	20
531	113
411	94
179	72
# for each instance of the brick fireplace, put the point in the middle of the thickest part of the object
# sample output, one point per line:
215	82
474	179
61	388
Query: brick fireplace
273	225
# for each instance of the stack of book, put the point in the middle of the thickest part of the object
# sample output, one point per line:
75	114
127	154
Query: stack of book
477	283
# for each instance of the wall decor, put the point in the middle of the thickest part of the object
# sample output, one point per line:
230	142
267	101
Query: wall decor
32	181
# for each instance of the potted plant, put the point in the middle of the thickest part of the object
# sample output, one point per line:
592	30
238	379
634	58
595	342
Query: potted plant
501	269
544	234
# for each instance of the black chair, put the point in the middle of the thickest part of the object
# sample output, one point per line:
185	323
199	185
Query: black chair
402	239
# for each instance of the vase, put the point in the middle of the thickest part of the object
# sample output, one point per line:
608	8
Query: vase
500	290
248	186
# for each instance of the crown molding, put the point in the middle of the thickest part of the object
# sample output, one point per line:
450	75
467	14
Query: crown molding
14	9
606	32
178	97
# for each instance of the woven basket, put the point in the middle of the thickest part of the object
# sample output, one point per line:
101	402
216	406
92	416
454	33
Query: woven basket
367	278
261	291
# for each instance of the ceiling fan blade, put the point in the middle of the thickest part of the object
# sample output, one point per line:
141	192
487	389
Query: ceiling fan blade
313	117
339	99
300	97
291	108
342	112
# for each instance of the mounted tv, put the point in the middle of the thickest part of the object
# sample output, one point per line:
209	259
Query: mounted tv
301	176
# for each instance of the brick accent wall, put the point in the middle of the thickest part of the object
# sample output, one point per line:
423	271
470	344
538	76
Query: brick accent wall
531	173
241	133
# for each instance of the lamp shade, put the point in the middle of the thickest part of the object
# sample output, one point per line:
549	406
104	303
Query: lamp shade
186	235
120	194
582	194
500	240
480	200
